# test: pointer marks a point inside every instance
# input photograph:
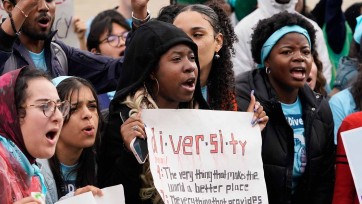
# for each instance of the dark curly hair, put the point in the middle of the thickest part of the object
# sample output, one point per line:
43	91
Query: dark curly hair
220	83
321	80
266	27
169	13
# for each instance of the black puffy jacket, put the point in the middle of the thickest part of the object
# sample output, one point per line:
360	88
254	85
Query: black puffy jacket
317	182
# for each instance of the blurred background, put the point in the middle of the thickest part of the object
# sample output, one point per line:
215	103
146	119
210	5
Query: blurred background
88	8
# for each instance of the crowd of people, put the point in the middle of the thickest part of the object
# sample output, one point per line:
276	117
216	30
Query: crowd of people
68	115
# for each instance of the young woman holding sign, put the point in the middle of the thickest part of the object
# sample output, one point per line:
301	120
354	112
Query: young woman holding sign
166	62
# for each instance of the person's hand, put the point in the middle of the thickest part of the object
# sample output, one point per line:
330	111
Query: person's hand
131	128
28	200
79	27
139	8
260	116
95	191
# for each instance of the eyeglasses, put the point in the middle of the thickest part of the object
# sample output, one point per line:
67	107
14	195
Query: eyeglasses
114	40
48	107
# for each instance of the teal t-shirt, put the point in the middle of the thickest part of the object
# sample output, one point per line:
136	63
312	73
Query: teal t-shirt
39	60
293	114
204	92
69	176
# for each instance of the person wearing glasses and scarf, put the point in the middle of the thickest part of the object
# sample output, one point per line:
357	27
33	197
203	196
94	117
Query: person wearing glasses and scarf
31	117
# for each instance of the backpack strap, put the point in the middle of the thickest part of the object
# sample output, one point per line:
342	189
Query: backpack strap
10	65
61	56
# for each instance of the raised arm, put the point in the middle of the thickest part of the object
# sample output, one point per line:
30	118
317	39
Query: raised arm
17	15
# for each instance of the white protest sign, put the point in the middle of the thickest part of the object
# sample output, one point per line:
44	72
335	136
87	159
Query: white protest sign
81	198
111	195
352	141
62	22
203	156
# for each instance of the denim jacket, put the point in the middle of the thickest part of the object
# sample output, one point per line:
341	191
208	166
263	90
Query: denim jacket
52	195
346	73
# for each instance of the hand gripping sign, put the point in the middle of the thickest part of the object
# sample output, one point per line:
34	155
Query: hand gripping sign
202	156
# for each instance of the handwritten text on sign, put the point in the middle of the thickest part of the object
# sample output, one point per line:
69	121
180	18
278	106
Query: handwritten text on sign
201	156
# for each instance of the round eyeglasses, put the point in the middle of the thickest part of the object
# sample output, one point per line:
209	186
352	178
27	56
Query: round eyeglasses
114	40
48	107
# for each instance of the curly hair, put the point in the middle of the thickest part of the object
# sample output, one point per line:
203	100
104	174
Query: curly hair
321	80
168	13
220	83
266	27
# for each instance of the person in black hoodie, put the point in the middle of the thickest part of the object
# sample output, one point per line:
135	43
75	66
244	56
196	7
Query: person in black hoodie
297	143
160	71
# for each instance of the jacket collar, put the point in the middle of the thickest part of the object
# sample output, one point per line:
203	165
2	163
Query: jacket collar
20	47
267	95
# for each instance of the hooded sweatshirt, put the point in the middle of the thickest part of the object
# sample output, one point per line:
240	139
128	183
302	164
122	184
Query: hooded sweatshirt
243	60
144	50
19	175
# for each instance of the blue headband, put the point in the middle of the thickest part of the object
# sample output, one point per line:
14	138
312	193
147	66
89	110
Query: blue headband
358	31
275	37
56	81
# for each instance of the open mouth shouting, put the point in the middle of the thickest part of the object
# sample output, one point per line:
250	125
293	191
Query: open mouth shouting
89	130
44	22
298	73
52	135
189	84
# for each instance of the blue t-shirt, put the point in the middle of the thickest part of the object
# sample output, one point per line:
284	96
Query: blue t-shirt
293	114
204	92
39	60
69	177
342	104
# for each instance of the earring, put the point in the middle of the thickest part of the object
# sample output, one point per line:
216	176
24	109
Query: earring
216	56
267	70
158	86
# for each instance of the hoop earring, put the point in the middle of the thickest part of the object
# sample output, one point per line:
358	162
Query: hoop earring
146	104
158	87
267	70
216	56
